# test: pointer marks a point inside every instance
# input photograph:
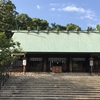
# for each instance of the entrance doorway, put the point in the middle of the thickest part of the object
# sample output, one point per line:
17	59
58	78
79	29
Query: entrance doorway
35	65
96	66
79	64
57	65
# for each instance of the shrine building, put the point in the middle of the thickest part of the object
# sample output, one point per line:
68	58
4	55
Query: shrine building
57	51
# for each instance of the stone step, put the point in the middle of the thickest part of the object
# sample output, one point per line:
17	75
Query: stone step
34	82
65	91
55	86
52	84
49	93
58	80
51	87
53	95
49	98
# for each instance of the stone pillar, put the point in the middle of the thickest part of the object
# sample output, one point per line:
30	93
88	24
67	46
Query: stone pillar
70	64
45	64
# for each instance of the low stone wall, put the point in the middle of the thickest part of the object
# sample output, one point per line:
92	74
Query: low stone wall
50	74
29	74
17	69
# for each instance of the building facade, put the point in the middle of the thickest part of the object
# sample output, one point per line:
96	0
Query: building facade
58	51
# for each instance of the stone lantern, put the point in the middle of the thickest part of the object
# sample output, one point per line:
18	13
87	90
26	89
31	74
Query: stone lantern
91	64
24	64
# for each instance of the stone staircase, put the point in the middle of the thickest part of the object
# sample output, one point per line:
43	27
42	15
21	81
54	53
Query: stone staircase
51	86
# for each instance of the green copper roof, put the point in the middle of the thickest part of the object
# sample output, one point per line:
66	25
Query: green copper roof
62	42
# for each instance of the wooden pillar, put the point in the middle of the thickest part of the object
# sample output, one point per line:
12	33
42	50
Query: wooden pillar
24	68
24	65
91	69
45	64
50	67
98	66
70	64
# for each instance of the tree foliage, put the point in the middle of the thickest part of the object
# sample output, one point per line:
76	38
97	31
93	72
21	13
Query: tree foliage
7	16
89	28
7	47
43	24
23	21
72	26
10	19
98	27
54	26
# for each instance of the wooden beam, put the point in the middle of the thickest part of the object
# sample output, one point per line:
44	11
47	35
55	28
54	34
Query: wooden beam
18	54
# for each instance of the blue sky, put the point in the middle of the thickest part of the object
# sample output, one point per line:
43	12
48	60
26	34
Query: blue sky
81	12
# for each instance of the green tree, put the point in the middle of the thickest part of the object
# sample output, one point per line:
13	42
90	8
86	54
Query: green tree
54	26
72	26
98	27
89	28
23	21
43	24
7	16
7	47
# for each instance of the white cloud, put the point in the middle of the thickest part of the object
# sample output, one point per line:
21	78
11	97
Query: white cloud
85	13
92	25
89	15
38	7
53	9
73	9
82	12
